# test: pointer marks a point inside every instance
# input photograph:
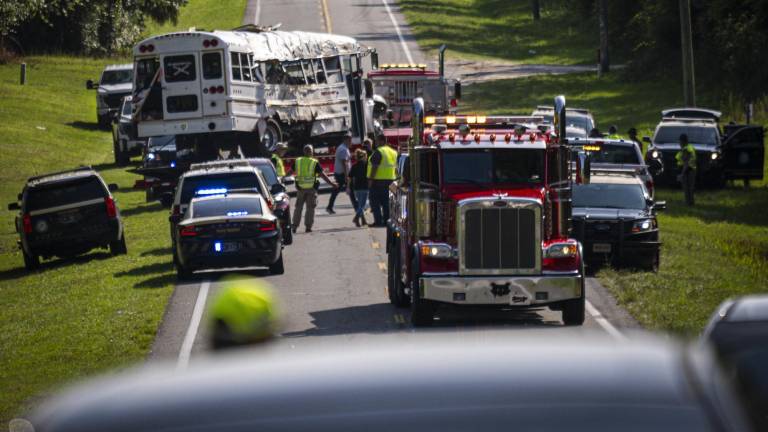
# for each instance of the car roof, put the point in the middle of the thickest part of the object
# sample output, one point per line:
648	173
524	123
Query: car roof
43	179
401	373
687	122
225	196
614	178
748	308
603	141
235	168
119	67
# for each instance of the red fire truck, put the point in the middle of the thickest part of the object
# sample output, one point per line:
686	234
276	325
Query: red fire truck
481	216
399	84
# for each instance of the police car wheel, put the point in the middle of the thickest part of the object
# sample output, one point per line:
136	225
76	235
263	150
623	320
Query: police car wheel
277	268
31	262
287	236
118	247
182	273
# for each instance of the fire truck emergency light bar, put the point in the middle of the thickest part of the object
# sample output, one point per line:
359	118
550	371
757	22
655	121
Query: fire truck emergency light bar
483	120
404	66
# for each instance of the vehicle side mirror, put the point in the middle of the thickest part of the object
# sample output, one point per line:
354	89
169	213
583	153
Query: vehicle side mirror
166	199
289	180
457	90
277	188
19	197
647	139
374	60
368	89
113	187
655	167
14	206
660	205
90	85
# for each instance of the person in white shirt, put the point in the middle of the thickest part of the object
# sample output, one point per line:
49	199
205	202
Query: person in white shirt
341	168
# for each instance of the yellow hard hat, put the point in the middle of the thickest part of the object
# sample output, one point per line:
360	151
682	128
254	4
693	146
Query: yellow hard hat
243	312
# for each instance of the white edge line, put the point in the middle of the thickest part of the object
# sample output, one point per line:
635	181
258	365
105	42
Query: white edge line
399	33
194	324
603	322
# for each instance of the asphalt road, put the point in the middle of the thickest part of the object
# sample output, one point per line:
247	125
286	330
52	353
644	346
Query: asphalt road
335	280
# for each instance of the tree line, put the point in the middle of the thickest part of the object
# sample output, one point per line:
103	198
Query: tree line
730	40
93	27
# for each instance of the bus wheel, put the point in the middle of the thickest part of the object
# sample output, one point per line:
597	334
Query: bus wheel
272	136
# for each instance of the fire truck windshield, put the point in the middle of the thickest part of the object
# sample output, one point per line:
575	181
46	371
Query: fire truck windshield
493	166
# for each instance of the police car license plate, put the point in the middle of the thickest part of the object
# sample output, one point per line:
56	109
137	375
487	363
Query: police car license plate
224	247
601	248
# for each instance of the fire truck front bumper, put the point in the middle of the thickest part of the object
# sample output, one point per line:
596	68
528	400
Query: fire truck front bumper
502	290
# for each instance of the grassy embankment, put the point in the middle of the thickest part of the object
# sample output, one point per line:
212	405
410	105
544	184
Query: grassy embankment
501	30
203	14
78	317
716	250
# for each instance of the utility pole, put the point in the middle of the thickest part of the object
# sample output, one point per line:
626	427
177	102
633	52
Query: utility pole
689	83
536	9
603	18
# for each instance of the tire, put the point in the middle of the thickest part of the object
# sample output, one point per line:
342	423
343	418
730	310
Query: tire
272	136
653	262
287	236
118	247
121	158
31	262
103	121
182	273
574	310
422	311
395	288
277	268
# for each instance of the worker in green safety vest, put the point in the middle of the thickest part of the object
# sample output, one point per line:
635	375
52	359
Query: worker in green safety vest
381	173
277	159
306	170
686	162
242	313
613	133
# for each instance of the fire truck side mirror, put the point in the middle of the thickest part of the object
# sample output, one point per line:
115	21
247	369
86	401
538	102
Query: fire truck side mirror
374	60
457	90
585	167
560	120
368	89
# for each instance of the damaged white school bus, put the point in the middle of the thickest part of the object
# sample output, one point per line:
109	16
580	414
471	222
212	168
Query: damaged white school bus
251	87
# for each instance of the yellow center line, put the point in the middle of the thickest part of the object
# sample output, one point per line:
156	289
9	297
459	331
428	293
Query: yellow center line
383	266
375	245
326	16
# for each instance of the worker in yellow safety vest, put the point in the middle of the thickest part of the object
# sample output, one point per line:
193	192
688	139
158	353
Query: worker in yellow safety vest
686	162
613	133
243	313
306	170
277	159
381	173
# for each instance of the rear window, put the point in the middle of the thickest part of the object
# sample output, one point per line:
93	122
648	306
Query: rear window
212	66
59	194
179	68
226	207
615	154
218	184
269	173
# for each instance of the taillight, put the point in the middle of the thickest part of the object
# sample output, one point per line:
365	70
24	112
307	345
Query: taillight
27	221
146	48
267	226
453	103
220	89
210	43
271	204
188	231
111	208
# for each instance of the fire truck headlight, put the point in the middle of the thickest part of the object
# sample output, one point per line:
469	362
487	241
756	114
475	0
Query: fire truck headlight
437	250
561	250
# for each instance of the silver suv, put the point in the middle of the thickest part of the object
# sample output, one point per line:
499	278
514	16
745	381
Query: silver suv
116	82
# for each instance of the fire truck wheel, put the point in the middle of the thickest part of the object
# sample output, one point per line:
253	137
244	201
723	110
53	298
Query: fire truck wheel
422	311
574	310
395	287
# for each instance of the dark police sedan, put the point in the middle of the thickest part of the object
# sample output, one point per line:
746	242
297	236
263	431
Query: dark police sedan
614	218
228	230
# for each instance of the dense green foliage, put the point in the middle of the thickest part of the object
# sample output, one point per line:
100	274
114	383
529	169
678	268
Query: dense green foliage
729	36
81	26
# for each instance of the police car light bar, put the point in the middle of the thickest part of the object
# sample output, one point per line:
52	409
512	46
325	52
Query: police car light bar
212	191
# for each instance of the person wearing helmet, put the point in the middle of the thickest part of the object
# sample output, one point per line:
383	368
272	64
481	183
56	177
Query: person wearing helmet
243	313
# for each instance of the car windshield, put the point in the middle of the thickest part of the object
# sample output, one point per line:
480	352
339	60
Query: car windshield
269	173
493	166
218	184
110	77
127	107
63	193
232	207
164	142
696	134
619	196
617	154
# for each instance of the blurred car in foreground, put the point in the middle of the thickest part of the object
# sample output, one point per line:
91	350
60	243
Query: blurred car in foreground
228	230
738	331
418	382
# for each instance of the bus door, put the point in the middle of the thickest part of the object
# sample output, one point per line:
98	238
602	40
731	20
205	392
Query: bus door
247	86
353	75
181	86
213	83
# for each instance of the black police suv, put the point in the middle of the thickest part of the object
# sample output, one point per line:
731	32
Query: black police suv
228	230
614	218
65	214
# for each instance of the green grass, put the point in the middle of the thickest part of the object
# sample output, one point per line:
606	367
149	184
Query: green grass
203	14
502	29
72	318
713	251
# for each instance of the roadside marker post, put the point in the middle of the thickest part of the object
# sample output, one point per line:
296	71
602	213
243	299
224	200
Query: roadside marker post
23	74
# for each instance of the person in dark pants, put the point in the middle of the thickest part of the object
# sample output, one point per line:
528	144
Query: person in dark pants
381	173
341	167
686	161
358	185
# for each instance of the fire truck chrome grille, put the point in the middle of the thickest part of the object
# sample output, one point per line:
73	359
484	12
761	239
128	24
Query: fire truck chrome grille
500	238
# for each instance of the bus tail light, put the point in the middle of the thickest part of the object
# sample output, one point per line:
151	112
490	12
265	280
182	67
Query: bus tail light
111	208
27	222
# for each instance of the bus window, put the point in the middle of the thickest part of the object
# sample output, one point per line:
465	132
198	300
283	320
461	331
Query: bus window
245	67
275	74
179	68
319	73
294	72
256	74
236	76
212	66
307	66
146	69
333	70
347	65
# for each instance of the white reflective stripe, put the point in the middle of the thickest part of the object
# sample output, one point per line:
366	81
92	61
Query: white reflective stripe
67	206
